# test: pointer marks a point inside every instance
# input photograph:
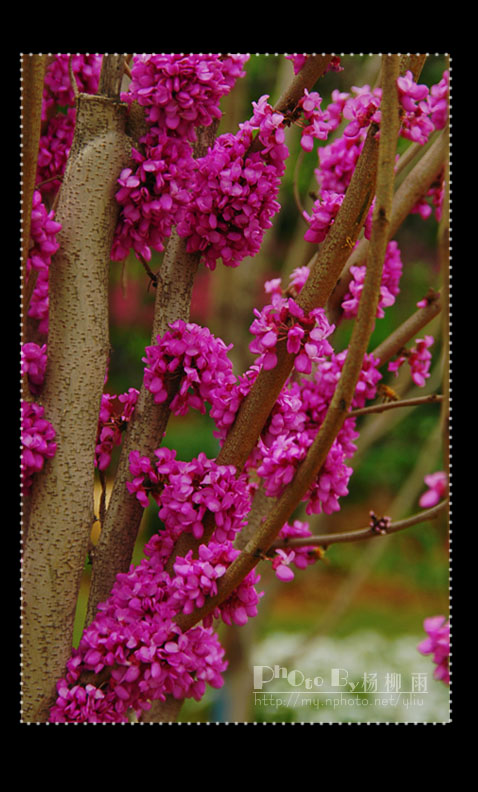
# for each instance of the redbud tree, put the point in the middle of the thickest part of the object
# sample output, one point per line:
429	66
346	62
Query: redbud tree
126	163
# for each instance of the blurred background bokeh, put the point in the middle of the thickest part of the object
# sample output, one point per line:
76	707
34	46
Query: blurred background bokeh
363	607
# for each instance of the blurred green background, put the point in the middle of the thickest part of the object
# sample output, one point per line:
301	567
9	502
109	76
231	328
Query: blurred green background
365	604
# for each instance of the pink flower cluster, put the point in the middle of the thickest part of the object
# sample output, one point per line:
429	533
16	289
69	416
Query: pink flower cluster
179	94
135	640
416	124
293	425
196	580
134	637
234	192
187	491
301	557
58	89
337	163
437	483
196	358
424	111
306	334
438	101
33	364
152	195
362	109
182	92
43	245
54	148
298	414
38	442
111	424
317	123
419	359
433	199
323	215
437	644
392	271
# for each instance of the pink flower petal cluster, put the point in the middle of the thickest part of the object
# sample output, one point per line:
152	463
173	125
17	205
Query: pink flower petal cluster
134	636
43	245
111	424
147	479
281	565
195	581
37	440
392	271
182	92
324	212
179	93
54	148
318	123
298	414
33	364
187	491
291	429
437	483
301	557
306	333
438	101
58	89
337	163
234	192
362	109
153	194
423	111
416	124
196	358
419	359
135	639
43	231
437	644
433	198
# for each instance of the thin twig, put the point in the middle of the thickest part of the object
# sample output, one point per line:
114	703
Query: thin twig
363	533
378	408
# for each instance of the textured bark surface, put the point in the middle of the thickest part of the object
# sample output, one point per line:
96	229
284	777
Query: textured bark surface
33	72
61	512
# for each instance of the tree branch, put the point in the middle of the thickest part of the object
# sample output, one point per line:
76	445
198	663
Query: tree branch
364	533
432	398
33	73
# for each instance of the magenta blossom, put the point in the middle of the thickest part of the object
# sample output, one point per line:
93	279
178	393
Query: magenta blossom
419	359
437	483
438	645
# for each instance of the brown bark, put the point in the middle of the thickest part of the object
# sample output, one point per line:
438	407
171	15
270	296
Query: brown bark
62	495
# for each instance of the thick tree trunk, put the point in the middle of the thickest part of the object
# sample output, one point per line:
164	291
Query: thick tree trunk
61	512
